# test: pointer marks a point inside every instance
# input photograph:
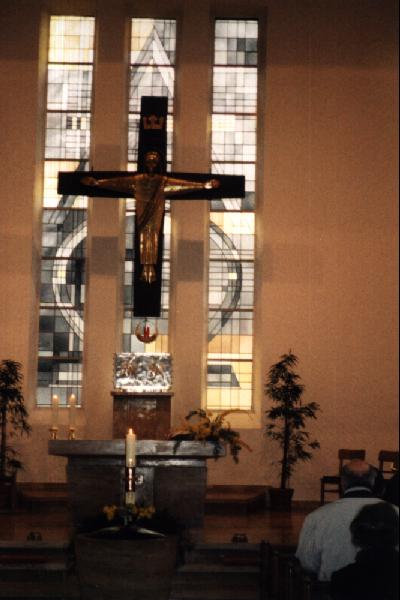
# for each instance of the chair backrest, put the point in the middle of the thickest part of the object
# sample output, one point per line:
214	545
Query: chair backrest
345	455
388	461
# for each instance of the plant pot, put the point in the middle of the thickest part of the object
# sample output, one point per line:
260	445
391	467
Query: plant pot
8	492
281	499
140	569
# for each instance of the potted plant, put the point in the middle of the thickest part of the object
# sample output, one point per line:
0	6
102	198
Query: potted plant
127	552
13	421
203	426
286	424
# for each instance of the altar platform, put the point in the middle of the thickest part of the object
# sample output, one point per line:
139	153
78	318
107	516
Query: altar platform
213	542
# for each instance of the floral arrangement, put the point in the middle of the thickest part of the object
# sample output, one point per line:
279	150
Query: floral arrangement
201	425
130	522
129	514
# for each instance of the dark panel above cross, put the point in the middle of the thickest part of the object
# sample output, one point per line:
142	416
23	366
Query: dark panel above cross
150	186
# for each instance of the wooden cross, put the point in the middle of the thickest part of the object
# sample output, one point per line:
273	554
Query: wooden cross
150	185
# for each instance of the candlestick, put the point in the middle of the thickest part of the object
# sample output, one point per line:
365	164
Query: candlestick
130	496
53	433
130	448
72	411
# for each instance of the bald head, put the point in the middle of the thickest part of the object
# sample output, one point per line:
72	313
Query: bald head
358	473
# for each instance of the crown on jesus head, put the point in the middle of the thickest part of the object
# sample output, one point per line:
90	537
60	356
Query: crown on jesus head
153	122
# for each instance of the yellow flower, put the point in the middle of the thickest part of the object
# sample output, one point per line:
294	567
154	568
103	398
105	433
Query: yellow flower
110	511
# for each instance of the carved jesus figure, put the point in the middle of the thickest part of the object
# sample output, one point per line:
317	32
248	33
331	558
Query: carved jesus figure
150	189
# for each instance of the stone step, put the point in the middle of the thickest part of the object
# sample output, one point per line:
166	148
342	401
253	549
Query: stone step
216	582
39	590
216	569
42	495
215	594
235	499
35	569
245	554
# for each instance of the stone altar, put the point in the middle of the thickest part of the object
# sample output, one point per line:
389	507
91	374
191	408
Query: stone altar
173	477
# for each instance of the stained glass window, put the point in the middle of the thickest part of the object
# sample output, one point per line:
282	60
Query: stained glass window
231	272
152	73
62	297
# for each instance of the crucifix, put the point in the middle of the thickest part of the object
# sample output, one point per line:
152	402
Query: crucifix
150	186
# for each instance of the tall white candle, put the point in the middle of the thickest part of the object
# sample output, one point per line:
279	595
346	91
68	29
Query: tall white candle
130	448
72	410
55	403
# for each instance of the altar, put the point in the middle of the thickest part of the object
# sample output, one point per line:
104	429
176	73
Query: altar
170	476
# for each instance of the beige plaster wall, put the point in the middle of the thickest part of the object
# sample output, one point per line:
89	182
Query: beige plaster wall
327	230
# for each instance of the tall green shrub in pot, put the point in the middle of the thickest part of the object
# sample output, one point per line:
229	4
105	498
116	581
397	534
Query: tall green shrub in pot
287	416
13	415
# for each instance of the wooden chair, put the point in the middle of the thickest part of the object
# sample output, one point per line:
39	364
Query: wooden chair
312	589
330	484
291	582
281	574
265	569
388	462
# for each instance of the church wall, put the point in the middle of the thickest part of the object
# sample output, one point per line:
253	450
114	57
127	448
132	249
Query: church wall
327	230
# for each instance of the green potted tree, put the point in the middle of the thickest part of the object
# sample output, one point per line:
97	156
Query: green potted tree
13	421
286	420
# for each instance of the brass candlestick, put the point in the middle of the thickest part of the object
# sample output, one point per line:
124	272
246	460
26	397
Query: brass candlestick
129	485
53	432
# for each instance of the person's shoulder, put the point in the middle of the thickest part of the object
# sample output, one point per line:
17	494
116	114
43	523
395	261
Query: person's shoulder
341	505
321	512
357	500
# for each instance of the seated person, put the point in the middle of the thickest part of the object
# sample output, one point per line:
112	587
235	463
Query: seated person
375	572
325	543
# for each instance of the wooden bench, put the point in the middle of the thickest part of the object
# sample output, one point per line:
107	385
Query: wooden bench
235	498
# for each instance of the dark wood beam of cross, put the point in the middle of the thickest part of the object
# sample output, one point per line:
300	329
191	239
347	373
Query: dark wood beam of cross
150	185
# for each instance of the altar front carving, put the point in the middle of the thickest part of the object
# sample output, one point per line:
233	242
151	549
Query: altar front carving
171	476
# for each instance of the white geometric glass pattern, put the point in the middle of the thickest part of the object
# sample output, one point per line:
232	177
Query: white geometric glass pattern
232	221
67	145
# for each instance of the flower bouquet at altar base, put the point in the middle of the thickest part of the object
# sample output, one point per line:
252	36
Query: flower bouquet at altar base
201	425
130	522
120	551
